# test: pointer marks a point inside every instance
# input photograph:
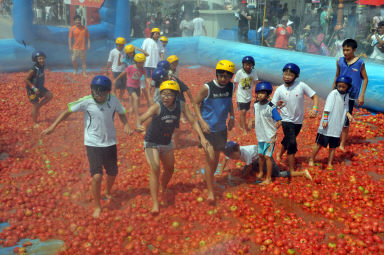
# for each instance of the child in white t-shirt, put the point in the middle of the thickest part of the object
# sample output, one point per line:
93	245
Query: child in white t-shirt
332	122
245	79
250	155
114	58
289	97
99	133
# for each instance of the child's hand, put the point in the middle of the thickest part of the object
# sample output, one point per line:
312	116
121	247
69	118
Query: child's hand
280	104
127	129
206	145
325	124
47	131
312	113
278	124
360	101
140	128
350	117
205	127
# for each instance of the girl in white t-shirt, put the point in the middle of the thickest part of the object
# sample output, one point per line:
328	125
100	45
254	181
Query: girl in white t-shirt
332	122
245	80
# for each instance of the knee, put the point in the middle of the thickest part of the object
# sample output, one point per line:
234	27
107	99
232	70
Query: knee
97	178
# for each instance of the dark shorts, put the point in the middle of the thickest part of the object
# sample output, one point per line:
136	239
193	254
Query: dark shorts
217	139
121	83
33	97
324	141
351	103
291	131
134	90
149	71
244	106
102	156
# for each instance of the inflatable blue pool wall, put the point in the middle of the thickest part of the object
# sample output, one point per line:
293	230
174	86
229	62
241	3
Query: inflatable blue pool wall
317	71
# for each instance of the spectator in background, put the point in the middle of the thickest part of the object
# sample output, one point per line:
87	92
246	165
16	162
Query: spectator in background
137	27
186	26
199	25
80	35
283	32
243	26
147	30
159	20
314	39
378	43
263	34
295	21
337	49
324	19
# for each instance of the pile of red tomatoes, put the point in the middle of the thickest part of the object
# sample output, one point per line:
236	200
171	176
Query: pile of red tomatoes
45	188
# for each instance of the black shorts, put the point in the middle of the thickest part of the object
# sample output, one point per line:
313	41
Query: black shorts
351	104
217	139
102	156
35	98
244	106
121	83
291	131
134	90
324	141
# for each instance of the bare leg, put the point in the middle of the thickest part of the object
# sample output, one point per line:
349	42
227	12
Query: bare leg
84	67
74	63
135	105
147	96
344	135
243	126
268	178
121	93
110	181
280	153
96	190
210	169
304	173
168	161
291	162
46	98
315	149
35	112
153	160
261	166
331	156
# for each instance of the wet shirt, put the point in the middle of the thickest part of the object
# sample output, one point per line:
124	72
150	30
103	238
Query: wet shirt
245	83
134	75
353	71
38	78
79	35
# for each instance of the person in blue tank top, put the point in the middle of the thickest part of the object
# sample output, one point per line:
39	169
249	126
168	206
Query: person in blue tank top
212	106
158	145
35	85
354	67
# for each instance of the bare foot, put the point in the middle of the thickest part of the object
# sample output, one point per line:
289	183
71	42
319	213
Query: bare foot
259	175
107	197
155	209
211	198
307	175
183	120
85	74
266	182
278	157
74	72
342	147
329	167
96	212
36	125
311	163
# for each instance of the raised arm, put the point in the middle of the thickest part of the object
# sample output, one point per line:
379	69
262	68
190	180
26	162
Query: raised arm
64	115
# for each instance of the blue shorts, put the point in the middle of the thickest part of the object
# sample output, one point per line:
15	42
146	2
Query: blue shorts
149	71
266	149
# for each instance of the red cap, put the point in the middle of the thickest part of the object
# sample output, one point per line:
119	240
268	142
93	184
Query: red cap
244	2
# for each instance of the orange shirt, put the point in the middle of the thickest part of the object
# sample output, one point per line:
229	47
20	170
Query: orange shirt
79	35
282	37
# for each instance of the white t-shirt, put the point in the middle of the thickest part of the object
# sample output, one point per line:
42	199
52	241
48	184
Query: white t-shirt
266	116
248	154
293	98
339	49
186	28
198	24
99	128
245	83
114	59
153	48
376	54
337	106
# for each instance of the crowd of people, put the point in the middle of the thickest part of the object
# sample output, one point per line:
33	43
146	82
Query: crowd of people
150	71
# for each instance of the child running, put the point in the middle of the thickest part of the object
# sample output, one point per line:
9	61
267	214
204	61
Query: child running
158	145
213	105
114	60
353	67
134	73
250	155
245	79
332	122
35	85
289	97
99	134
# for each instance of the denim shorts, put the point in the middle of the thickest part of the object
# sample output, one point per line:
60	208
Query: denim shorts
160	147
